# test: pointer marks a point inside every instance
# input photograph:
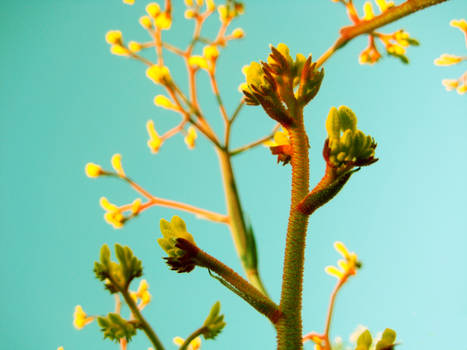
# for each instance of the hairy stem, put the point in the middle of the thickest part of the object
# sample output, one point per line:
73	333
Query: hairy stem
289	328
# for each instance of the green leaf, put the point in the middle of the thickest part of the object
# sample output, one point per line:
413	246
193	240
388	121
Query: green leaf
115	327
251	254
131	266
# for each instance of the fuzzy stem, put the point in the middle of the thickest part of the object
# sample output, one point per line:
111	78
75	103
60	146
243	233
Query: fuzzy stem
191	337
143	323
289	328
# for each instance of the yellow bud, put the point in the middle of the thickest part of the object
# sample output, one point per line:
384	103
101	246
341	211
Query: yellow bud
134	46
163	21
106	205
178	341
210	5
450	84
198	61
447	60
143	286
189	3
129	2
191	137
210	52
119	50
158	74
116	162
154	142
145	22
459	23
164	102
93	170
199	2
80	319
60	348
190	14
462	89
238	33
223	13
384	5
136	206
153	9
114	37
368	11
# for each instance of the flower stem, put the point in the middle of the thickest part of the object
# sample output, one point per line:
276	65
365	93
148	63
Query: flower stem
191	337
143	323
289	328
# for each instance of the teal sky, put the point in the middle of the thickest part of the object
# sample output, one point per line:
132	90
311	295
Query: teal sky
65	101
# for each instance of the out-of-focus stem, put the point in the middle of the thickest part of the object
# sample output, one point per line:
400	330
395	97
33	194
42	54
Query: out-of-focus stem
255	143
237	220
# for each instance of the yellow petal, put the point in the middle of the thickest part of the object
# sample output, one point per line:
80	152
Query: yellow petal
116	162
191	137
164	102
136	206
178	341
210	52
459	23
153	9
134	46
462	89
198	61
450	84
154	142
341	249
163	21
114	37
93	170
447	60
129	2
368	11
119	50
333	271
145	22
238	33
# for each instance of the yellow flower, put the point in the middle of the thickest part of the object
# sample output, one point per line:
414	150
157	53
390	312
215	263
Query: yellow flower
158	74
238	33
119	50
80	319
153	9
163	21
194	345
210	52
450	84
198	61
129	2
60	348
459	23
134	46
281	137
93	170
384	5
447	60
164	102
116	162
370	55
190	137
190	14
114	37
154	142
145	22
142	294
189	3
368	11
347	266
113	215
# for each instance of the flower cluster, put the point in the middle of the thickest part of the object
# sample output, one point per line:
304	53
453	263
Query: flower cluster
459	84
347	266
280	146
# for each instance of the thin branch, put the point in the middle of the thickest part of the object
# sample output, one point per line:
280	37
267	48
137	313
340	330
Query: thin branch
228	127
192	337
366	27
255	143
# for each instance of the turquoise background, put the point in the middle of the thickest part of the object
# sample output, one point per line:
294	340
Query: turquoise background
65	101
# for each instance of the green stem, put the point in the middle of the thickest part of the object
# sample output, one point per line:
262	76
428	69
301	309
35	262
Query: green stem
289	327
191	337
143	323
237	222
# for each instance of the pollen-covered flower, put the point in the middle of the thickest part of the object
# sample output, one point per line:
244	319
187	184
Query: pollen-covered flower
347	266
159	74
80	318
113	215
154	142
195	344
191	137
93	170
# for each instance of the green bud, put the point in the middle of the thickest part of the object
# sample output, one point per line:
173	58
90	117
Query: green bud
214	323
387	340
364	341
115	327
171	231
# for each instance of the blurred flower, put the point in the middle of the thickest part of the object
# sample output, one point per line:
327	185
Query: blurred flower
113	215
116	162
158	74
93	170
165	102
114	37
347	266
154	142
145	22
142	294
194	345
447	60
80	318
129	2
135	46
119	50
190	137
